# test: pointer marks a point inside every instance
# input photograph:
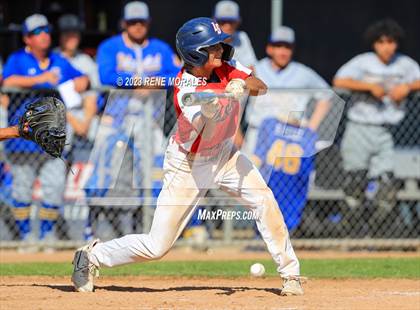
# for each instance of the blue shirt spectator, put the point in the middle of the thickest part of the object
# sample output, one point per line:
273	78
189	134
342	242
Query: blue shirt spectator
133	54
24	63
227	15
119	59
35	66
125	60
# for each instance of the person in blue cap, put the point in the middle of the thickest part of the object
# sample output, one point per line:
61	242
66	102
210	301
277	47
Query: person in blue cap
289	113
133	53
71	27
124	61
227	15
36	66
279	70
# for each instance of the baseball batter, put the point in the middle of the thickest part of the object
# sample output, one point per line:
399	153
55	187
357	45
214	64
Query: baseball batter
200	156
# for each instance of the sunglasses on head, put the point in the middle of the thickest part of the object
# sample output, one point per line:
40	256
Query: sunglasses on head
39	30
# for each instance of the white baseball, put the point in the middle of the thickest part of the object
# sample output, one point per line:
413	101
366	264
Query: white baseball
257	270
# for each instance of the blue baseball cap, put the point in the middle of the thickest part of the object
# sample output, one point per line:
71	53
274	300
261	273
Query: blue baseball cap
136	10
227	10
282	34
34	22
70	22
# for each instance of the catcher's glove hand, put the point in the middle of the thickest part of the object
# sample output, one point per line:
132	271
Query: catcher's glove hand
44	122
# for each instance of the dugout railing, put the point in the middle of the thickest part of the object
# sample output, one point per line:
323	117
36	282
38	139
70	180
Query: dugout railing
326	218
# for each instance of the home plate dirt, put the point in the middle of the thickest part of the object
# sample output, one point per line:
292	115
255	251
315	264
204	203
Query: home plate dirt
21	292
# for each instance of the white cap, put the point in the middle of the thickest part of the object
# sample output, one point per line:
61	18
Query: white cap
136	10
283	34
33	22
227	10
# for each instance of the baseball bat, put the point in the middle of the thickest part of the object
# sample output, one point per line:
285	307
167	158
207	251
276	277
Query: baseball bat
199	98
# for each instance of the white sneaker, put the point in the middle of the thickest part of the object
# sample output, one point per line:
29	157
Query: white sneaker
292	286
84	270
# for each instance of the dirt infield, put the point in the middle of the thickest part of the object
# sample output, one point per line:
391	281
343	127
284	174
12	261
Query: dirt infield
197	293
33	292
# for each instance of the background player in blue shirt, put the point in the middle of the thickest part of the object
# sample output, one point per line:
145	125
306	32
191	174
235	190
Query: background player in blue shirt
282	136
132	53
35	66
121	60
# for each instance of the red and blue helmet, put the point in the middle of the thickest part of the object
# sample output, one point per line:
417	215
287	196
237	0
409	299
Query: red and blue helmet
195	35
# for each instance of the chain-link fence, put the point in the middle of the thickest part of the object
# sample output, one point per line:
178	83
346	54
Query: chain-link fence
334	179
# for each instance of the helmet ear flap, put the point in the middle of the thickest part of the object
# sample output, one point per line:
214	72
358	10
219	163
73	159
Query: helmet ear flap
228	51
204	56
193	58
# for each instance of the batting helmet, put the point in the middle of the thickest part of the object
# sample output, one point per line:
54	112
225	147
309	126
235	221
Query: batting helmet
197	34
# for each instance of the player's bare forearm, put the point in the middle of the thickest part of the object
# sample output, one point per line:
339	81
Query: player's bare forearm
9	133
255	86
321	110
351	84
81	83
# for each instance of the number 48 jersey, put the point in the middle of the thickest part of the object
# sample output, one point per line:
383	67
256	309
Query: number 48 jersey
284	154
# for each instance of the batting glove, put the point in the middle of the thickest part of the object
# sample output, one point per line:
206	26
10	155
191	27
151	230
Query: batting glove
236	87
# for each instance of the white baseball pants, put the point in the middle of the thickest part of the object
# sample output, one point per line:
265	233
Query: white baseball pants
186	180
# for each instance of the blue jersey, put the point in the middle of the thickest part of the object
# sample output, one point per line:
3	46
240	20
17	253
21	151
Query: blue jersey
285	156
118	62
23	63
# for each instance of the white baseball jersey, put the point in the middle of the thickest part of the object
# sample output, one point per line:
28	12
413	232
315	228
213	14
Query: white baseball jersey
300	79
186	135
367	67
244	53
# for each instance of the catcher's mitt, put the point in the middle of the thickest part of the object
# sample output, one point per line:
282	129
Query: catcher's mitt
44	122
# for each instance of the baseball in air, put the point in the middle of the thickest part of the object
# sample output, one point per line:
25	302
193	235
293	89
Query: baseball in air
257	270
